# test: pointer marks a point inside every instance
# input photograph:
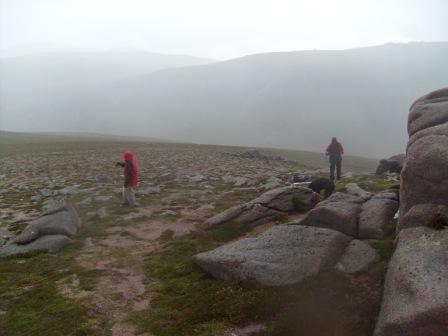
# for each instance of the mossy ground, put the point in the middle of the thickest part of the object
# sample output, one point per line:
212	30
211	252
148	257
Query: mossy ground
28	292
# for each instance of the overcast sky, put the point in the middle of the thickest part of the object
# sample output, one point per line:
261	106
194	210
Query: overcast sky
219	29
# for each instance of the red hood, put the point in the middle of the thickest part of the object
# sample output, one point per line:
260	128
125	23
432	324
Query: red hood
128	155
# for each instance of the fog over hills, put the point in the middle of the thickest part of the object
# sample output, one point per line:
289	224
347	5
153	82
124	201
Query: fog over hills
288	99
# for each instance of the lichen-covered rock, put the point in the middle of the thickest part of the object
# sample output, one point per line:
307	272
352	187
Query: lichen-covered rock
415	300
282	255
61	221
266	207
338	212
52	243
358	257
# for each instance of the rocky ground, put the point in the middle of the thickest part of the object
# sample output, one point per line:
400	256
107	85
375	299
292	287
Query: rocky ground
130	271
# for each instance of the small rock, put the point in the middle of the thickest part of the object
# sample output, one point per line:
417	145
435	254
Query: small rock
149	190
102	198
101	213
354	189
169	213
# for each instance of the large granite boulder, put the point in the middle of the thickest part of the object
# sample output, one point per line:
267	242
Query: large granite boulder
358	257
282	255
415	300
376	213
61	221
266	207
50	243
424	178
338	212
394	164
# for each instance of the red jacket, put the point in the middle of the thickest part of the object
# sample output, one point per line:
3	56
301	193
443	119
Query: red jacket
335	149
130	170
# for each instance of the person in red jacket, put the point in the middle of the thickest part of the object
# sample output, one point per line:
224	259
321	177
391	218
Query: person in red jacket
335	152
130	173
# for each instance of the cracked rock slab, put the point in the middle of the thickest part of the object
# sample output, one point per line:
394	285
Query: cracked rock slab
282	255
51	243
266	207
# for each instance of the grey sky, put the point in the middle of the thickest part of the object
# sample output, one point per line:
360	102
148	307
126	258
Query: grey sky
220	29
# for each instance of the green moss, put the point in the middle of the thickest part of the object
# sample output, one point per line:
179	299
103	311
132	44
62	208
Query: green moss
89	279
385	248
300	205
28	292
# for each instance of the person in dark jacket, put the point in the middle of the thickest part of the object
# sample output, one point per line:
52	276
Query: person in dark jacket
130	173
335	152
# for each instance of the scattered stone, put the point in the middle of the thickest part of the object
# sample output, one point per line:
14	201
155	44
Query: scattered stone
149	190
101	213
62	221
46	192
86	201
358	256
70	190
50	243
415	299
272	182
102	198
87	243
282	255
354	189
36	198
169	213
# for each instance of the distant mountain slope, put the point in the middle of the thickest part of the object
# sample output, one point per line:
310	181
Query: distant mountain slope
38	87
293	100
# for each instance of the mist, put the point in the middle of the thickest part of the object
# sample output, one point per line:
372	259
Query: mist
282	75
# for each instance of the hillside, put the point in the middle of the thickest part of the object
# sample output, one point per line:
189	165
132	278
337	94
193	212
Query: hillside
294	100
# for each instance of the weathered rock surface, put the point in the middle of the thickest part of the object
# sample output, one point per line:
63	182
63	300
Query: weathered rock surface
51	243
282	255
338	212
376	213
425	174
415	300
62	221
266	207
358	256
394	164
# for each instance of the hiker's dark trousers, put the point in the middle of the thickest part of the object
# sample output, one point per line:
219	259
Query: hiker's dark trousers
335	162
